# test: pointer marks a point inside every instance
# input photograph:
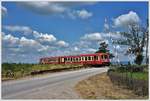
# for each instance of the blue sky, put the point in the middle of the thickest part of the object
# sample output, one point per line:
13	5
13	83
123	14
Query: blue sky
31	30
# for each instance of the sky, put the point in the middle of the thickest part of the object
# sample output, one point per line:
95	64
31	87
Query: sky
31	30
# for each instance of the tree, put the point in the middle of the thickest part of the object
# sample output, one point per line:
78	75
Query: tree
103	49
135	39
139	59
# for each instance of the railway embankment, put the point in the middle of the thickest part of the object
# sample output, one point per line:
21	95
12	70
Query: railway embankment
12	71
120	82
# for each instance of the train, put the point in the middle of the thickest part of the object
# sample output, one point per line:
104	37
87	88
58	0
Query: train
95	59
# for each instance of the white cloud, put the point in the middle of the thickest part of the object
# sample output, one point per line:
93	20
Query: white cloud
44	7
25	48
15	43
43	48
4	10
76	48
51	8
91	50
62	43
9	40
24	29
28	42
111	35
92	37
46	38
126	19
43	38
83	14
49	39
31	46
101	36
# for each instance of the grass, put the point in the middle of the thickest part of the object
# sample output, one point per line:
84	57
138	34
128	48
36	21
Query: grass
134	75
138	75
101	87
137	71
14	71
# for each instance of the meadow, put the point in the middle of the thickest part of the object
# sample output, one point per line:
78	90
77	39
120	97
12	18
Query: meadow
14	71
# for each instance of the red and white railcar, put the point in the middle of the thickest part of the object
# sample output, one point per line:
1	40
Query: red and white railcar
85	59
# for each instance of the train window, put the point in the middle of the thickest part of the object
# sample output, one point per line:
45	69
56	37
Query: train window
96	57
69	59
79	58
92	58
76	59
89	58
82	58
85	58
105	56
73	59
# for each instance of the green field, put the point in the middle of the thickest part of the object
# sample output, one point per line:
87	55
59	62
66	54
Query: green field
13	70
137	75
130	71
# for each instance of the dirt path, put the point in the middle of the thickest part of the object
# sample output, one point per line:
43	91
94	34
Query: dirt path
100	87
